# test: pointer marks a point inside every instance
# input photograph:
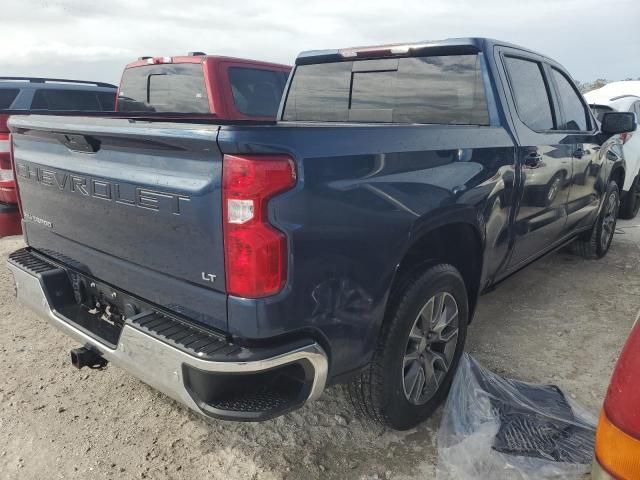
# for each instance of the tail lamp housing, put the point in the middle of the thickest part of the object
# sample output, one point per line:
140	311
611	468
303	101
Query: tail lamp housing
618	434
7	182
5	151
255	251
13	168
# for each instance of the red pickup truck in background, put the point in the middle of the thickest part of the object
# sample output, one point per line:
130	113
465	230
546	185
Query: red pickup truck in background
196	86
203	85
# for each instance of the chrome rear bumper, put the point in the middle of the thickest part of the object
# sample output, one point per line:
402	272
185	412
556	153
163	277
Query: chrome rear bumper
161	365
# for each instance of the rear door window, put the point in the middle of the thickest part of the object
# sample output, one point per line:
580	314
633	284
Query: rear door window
7	96
437	89
573	110
530	93
65	100
256	92
173	88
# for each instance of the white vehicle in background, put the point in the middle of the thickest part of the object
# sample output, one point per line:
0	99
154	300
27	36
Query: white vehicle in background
623	97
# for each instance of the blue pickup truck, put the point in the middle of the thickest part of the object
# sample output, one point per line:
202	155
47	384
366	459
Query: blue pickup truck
242	267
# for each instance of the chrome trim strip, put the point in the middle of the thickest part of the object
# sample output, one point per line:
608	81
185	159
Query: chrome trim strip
155	362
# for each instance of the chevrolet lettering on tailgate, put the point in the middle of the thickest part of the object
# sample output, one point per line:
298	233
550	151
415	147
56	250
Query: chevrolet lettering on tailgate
125	194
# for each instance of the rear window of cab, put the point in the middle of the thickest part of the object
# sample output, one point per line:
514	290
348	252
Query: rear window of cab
172	88
181	88
435	89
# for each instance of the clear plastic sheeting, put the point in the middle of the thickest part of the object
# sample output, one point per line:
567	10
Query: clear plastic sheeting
495	428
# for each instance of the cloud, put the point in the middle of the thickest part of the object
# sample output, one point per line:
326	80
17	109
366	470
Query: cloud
79	39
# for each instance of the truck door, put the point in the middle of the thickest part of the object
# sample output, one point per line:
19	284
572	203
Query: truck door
544	160
580	132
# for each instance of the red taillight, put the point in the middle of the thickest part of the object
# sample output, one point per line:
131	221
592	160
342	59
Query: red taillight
5	158
255	251
13	169
617	447
5	162
623	396
7	183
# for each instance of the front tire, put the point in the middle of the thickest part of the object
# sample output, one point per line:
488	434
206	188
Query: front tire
418	350
598	240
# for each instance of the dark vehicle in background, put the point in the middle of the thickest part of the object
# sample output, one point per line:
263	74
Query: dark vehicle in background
617	454
44	94
240	266
203	85
40	95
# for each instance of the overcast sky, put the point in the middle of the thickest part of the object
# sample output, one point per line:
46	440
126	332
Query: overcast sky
93	40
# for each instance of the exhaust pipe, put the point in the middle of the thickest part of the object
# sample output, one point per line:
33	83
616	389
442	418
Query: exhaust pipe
84	357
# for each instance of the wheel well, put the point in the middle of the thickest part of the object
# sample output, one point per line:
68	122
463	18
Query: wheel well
617	175
457	244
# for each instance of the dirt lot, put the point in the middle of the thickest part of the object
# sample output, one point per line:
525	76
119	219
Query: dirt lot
562	320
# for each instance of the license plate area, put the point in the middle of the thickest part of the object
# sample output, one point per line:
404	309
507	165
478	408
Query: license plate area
99	309
92	324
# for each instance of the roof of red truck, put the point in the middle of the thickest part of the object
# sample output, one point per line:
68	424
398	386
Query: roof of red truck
142	61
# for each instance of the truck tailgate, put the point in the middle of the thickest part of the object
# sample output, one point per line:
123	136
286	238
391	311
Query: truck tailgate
135	204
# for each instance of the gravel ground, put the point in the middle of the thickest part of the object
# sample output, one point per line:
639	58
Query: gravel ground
562	320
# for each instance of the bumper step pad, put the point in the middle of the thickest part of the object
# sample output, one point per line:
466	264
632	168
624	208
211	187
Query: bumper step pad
186	337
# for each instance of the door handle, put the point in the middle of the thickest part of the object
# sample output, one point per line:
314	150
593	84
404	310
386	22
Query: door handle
532	160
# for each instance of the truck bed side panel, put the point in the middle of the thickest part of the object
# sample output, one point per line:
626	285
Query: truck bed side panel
364	194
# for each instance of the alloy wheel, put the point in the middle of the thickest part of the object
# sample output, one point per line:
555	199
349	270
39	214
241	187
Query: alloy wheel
430	349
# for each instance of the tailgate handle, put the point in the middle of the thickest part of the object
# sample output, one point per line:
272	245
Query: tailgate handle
80	143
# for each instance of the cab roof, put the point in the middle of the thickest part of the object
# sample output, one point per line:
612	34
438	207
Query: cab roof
449	46
199	57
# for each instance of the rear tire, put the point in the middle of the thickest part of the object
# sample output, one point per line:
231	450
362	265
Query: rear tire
418	350
631	205
596	242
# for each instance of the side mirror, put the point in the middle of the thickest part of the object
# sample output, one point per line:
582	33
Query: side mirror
618	122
